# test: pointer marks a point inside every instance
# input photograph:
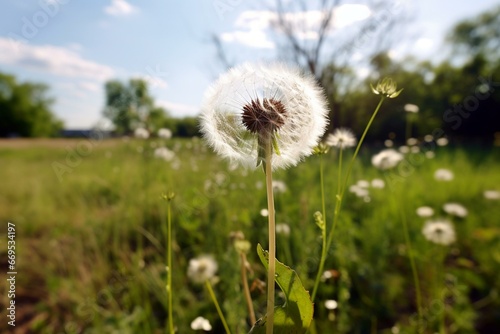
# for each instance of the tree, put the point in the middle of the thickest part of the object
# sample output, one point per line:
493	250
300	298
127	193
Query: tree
25	109
130	105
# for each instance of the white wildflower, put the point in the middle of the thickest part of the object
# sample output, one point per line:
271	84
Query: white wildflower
164	153
387	159
425	212
165	133
439	231
358	191
141	133
455	209
341	138
443	174
202	269
201	323
378	183
253	104
491	194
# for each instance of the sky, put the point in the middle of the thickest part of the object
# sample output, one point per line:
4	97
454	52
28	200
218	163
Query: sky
76	46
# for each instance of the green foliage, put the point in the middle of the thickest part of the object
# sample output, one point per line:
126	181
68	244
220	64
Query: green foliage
25	109
296	314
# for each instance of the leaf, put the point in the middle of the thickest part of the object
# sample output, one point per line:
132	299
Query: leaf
296	314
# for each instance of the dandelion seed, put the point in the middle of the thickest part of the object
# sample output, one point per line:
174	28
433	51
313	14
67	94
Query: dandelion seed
341	138
201	323
165	133
202	269
387	159
141	133
443	141
455	209
255	103
331	304
378	183
443	174
283	229
425	212
412	108
279	186
491	194
439	231
164	153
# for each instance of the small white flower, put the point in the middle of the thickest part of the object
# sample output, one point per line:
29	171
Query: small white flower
387	159
443	174
202	269
164	153
439	231
341	138
413	108
141	133
279	186
425	212
201	323
250	104
165	133
378	183
358	191
455	209
363	184
283	229
331	304
443	141
491	194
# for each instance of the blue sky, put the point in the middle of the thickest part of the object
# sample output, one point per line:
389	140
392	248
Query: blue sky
75	46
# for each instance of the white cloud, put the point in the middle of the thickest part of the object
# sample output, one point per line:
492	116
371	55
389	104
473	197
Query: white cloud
348	14
119	8
55	60
252	38
179	109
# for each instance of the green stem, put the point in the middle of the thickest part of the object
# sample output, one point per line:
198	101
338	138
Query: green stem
169	270
214	299
323	231
246	290
272	239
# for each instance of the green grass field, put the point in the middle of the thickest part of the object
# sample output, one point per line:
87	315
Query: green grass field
90	246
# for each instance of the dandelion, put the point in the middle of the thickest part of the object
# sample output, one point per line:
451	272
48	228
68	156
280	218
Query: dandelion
443	174
439	231
388	143
425	212
428	138
264	212
386	87
252	105
164	154
387	159
443	141
455	209
491	194
331	304
279	186
201	323
378	183
412	108
404	149
165	133
412	141
141	133
202	269
341	138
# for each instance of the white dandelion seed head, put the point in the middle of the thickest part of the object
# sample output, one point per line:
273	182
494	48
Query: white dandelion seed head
331	304
164	154
443	174
387	159
201	323
279	186
443	141
341	138
165	133
279	97
202	269
491	194
283	229
141	133
425	212
455	209
413	108
264	212
440	232
378	183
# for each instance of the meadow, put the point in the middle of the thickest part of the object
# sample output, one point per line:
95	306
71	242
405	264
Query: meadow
91	248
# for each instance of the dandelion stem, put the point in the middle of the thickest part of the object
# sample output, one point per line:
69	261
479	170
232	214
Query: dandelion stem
272	239
169	266
246	290
216	303
323	231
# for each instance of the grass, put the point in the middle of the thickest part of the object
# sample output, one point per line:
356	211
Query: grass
91	245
